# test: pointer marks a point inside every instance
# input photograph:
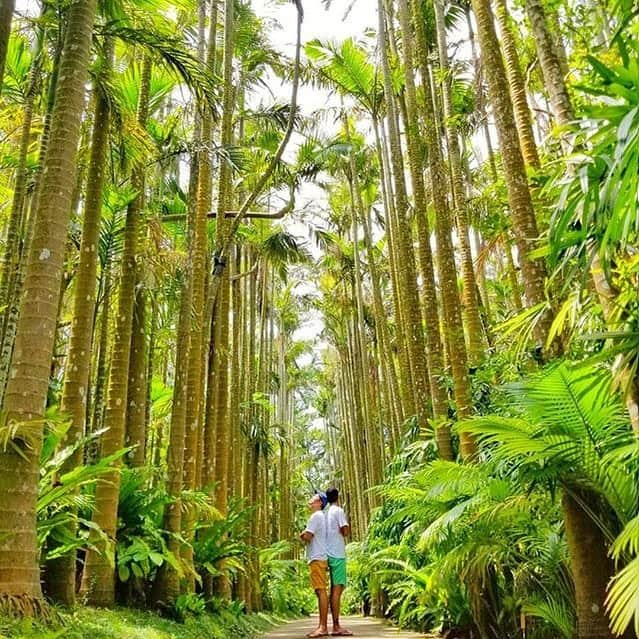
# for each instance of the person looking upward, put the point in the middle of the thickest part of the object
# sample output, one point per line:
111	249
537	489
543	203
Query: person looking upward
337	530
314	536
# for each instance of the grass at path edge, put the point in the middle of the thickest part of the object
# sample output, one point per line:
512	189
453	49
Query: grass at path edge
122	623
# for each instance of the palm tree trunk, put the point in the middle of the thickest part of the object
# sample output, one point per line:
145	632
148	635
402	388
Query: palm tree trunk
474	328
405	260
479	93
101	367
61	573
519	197
439	394
198	256
517	86
12	251
453	327
167	586
592	568
222	303
17	277
98	580
29	381
407	402
6	15
137	390
549	62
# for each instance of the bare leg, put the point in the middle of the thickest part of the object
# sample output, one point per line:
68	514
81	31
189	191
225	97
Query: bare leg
322	599
336	602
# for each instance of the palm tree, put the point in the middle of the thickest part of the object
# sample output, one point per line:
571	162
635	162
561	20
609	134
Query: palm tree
569	422
474	328
517	86
400	231
519	197
453	328
98	579
29	381
61	584
6	15
550	63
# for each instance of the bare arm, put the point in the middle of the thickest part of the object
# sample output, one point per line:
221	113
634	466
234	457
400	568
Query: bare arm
306	536
345	530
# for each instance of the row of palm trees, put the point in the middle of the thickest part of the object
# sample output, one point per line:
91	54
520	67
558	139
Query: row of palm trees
120	274
413	312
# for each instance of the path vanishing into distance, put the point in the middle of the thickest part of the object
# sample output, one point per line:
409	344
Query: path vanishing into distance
366	628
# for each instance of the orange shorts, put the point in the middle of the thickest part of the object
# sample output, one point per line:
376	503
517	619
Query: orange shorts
319	574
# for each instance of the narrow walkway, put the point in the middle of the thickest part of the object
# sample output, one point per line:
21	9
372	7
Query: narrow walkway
366	628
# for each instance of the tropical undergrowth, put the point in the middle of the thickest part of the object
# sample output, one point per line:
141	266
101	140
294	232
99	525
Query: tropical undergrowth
481	548
220	549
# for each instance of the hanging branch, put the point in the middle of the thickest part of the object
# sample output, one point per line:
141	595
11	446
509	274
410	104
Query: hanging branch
220	259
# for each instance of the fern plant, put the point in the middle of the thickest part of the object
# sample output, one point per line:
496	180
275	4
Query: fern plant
568	431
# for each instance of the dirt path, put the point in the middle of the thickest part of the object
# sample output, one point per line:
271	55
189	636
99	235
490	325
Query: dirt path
361	627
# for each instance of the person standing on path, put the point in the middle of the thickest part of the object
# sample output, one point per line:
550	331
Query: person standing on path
314	535
337	530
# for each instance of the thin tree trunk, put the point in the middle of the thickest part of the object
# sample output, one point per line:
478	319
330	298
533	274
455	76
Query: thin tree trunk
6	15
475	337
453	327
221	354
138	365
517	86
519	197
549	62
405	261
98	581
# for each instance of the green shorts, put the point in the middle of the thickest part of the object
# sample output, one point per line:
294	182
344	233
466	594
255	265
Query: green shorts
337	570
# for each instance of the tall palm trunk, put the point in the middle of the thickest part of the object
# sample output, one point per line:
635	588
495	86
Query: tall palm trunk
549	62
98	580
198	256
405	260
12	251
519	197
439	393
17	273
167	586
61	573
389	373
453	327
222	303
406	399
138	367
517	86
592	569
474	328
29	380
101	365
137	390
479	93
6	15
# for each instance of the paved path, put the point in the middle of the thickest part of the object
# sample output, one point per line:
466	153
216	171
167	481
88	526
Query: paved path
365	628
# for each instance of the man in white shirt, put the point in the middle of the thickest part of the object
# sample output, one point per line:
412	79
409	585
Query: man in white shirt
314	536
337	531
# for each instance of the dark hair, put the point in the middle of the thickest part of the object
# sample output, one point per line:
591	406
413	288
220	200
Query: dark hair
332	494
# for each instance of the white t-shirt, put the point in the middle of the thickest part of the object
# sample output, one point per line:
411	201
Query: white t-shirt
335	520
316	548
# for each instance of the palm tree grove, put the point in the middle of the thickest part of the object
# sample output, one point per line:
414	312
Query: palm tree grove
319	317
